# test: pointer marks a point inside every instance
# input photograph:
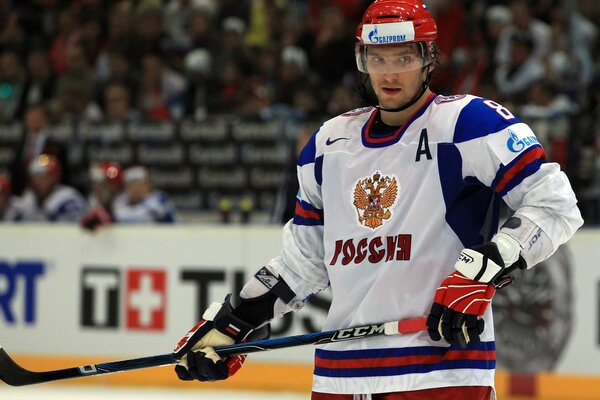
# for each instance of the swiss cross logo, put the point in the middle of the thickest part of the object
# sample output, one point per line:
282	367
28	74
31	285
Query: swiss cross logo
145	299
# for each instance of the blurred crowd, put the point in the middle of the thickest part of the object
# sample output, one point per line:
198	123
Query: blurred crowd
151	60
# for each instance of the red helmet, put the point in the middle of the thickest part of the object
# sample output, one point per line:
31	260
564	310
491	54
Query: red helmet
45	164
422	27
388	22
108	171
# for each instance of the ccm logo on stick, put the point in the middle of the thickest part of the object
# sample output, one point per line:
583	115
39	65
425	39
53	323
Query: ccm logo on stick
357	332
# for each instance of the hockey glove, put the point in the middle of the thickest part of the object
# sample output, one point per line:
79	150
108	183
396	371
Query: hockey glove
96	217
219	326
463	297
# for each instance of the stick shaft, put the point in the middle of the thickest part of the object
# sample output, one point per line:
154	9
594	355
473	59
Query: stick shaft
13	374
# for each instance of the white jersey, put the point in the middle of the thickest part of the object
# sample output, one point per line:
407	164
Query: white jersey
64	204
154	208
398	209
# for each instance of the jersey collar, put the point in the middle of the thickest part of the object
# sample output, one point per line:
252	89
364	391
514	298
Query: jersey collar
393	137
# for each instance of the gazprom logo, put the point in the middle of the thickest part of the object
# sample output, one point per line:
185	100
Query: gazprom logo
383	39
373	35
516	145
395	32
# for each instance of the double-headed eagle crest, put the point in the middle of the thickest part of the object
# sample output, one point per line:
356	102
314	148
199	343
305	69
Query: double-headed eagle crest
373	196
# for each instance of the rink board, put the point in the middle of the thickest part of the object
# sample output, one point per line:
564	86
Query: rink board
70	298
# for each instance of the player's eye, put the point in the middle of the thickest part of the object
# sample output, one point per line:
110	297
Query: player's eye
375	59
406	59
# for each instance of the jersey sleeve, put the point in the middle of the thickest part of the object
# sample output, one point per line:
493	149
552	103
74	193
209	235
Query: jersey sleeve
300	262
504	154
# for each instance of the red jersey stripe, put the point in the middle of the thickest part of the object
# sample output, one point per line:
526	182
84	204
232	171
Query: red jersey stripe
535	154
407	360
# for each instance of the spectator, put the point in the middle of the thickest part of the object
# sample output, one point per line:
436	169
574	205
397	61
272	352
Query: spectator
149	27
548	113
119	38
106	184
40	84
332	56
12	85
140	203
234	88
233	46
117	104
522	71
47	200
36	141
12	36
523	22
570	63
91	37
161	90
201	89
188	20
75	88
293	73
67	36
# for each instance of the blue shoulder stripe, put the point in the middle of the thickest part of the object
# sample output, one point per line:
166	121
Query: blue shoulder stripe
480	118
308	153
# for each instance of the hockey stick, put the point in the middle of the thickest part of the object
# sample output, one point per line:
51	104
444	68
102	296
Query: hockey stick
13	374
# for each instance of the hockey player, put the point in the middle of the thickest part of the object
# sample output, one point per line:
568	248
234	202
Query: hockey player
398	211
139	203
47	199
106	184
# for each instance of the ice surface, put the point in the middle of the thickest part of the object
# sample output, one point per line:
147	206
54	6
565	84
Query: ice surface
62	392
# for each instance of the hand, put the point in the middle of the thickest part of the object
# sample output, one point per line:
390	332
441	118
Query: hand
463	297
199	360
219	326
459	304
95	218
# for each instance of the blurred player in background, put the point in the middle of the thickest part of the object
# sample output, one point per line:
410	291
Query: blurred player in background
398	211
7	200
140	203
106	180
46	199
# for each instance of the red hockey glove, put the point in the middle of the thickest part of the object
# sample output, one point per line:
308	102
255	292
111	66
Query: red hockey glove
463	297
218	327
95	218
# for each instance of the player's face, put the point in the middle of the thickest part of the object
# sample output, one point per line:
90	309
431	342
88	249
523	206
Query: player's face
137	190
396	73
43	184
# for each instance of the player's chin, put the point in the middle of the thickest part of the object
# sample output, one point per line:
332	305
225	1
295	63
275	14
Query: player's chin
391	104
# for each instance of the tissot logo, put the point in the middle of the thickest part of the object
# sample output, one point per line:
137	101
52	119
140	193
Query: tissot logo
144	294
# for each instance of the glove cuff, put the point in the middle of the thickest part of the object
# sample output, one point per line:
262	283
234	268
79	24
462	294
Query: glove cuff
226	322
482	263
